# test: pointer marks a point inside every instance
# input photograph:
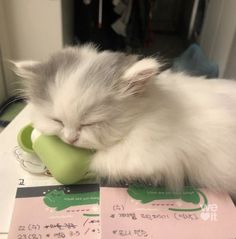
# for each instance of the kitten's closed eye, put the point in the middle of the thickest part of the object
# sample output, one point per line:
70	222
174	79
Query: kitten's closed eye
81	125
58	121
87	124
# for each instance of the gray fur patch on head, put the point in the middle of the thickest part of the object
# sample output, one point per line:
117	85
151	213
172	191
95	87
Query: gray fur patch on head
104	69
80	91
40	76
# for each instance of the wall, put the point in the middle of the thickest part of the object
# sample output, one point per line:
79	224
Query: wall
29	29
68	21
218	31
3	95
230	70
3	45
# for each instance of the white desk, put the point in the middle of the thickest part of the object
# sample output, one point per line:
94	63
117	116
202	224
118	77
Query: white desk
11	171
3	236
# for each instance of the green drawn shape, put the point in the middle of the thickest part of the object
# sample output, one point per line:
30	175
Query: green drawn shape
205	203
146	194
90	215
59	200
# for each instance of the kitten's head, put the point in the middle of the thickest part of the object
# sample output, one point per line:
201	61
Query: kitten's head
87	98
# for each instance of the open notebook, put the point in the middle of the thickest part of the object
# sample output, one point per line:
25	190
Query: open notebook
145	212
56	212
87	211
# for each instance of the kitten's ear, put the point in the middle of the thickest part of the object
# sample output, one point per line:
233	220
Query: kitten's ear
25	69
136	77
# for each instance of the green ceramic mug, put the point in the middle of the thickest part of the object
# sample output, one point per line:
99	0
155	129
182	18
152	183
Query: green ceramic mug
66	163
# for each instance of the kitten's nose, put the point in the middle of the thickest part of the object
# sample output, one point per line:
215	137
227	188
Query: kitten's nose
72	141
71	136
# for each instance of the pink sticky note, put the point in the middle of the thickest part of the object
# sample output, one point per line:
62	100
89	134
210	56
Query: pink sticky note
136	212
56	212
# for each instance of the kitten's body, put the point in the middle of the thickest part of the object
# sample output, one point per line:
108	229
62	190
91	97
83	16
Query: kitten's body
187	131
167	128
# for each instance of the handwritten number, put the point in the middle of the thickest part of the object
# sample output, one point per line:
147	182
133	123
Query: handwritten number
21	181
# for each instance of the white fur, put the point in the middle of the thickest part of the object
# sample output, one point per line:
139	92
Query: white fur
19	67
140	66
174	128
193	134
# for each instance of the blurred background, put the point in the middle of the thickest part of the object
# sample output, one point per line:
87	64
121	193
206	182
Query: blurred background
196	36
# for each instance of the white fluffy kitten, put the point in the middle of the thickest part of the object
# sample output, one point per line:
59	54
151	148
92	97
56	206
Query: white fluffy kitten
165	128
